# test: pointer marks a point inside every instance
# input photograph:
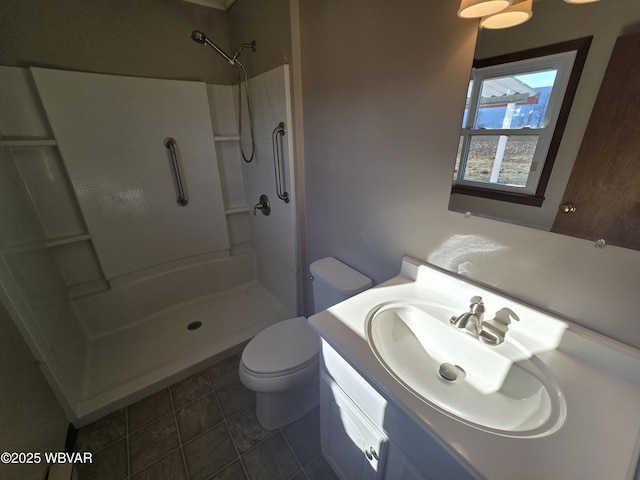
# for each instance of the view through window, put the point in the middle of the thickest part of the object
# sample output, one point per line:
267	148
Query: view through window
512	110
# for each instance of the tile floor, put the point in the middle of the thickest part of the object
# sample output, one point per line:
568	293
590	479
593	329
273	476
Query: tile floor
203	427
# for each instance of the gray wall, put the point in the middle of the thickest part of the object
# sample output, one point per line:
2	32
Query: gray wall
30	418
266	22
148	38
383	91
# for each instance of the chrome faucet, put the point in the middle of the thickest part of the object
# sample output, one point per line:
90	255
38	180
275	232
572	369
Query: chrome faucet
472	320
491	332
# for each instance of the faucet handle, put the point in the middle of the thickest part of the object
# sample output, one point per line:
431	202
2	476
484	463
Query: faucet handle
475	300
494	330
477	305
504	316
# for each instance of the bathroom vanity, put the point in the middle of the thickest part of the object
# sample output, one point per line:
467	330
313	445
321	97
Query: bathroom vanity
549	400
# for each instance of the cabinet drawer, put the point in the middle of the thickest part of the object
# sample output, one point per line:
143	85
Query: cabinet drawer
352	383
351	443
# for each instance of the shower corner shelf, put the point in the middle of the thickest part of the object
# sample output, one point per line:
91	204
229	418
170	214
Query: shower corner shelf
27	142
226	138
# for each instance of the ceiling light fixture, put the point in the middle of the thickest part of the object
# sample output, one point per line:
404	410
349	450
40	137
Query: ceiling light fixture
481	8
519	12
501	13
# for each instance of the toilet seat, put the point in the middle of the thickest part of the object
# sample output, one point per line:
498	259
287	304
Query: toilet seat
282	349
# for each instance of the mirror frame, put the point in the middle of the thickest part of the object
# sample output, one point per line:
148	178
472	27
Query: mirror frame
581	47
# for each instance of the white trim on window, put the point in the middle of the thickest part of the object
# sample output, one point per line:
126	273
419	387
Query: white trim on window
563	64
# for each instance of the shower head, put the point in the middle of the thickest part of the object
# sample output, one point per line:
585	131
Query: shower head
200	37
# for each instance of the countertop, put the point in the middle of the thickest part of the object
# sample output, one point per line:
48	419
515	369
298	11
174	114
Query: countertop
599	377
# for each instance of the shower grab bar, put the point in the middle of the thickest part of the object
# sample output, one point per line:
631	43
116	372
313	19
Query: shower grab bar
171	144
278	158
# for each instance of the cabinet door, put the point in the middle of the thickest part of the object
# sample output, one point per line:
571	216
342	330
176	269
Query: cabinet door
399	466
353	446
111	132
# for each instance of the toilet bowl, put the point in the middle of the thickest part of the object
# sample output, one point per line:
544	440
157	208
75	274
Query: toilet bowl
281	363
282	372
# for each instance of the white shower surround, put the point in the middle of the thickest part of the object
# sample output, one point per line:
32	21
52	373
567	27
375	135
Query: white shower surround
102	351
275	236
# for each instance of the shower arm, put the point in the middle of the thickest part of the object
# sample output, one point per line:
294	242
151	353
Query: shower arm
220	51
251	45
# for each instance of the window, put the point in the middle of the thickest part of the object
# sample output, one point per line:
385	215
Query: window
517	106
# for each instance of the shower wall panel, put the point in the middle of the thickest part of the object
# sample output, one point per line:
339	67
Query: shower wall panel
111	132
22	113
36	212
41	169
274	237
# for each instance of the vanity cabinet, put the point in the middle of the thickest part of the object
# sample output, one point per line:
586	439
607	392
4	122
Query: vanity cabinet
398	465
351	443
357	421
579	371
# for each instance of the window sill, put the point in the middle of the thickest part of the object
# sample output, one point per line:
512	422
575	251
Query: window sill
510	197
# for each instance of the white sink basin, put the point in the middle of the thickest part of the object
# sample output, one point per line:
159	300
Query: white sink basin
501	389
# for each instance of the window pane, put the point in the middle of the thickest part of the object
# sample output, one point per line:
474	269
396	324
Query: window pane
511	156
458	156
466	105
515	101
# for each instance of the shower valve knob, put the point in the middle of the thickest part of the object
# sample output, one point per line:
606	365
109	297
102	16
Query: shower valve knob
263	205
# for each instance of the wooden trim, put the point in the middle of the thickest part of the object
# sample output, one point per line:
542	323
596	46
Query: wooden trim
577	44
532	200
574	79
581	46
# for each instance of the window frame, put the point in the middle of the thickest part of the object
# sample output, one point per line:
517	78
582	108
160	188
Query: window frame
536	58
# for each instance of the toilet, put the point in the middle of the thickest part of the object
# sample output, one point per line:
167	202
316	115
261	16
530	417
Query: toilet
281	363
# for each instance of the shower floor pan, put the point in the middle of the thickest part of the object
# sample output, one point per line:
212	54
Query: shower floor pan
159	350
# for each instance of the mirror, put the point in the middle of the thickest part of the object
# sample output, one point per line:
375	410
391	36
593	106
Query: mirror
556	21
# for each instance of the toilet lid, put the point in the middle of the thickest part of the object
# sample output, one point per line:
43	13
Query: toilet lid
286	345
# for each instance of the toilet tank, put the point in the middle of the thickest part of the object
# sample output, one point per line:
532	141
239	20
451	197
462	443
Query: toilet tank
333	282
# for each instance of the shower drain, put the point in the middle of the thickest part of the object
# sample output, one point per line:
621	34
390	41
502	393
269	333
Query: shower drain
194	325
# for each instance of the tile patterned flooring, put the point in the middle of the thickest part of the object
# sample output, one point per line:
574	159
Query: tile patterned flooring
201	428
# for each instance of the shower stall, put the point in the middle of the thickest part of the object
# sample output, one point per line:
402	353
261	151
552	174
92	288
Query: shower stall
130	251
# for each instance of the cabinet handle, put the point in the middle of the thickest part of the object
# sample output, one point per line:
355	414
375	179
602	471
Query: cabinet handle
371	454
